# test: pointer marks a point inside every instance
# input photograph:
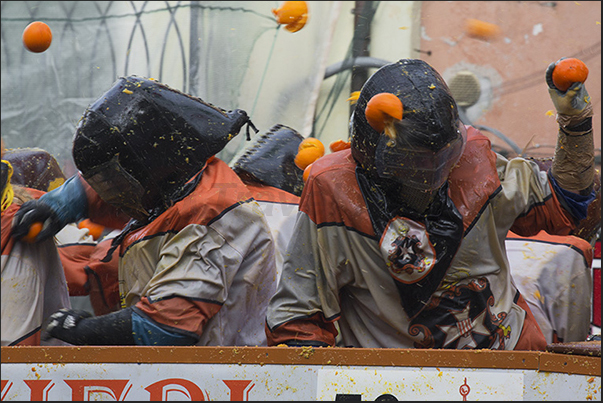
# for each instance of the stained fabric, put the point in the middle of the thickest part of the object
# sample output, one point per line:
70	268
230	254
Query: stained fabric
33	285
418	247
337	262
213	248
554	275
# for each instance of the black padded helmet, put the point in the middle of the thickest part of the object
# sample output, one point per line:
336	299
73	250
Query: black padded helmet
270	160
34	168
141	141
430	137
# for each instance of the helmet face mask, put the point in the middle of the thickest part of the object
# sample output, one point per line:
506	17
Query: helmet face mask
418	167
142	141
118	188
429	139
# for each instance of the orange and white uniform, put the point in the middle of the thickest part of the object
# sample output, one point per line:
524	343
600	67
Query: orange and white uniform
280	209
33	285
554	275
205	267
452	292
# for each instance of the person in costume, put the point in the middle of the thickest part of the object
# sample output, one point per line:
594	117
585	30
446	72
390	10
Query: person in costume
400	240
196	258
554	273
269	171
92	284
33	282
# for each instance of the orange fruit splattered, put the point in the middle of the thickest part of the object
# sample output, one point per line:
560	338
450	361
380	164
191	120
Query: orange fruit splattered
306	172
94	229
33	232
569	71
37	37
481	30
306	156
292	14
312	142
339	145
382	109
353	97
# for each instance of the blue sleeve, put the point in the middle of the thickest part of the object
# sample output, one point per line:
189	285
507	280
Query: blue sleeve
147	332
68	201
576	204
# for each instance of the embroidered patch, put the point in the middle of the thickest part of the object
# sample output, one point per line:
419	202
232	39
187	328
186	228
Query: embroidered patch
408	253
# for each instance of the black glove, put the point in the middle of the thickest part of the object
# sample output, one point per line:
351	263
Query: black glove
81	328
36	211
62	324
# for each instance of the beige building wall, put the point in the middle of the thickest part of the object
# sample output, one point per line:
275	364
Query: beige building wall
512	65
513	97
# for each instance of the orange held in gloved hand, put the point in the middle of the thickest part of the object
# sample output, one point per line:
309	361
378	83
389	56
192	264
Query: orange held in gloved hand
37	37
34	230
568	71
381	111
293	14
565	79
573	163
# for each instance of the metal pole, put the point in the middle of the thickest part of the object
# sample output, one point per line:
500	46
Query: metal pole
194	50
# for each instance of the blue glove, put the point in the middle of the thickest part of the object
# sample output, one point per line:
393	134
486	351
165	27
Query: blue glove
57	208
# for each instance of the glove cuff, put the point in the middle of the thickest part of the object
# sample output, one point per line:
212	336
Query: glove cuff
576	125
582	128
68	201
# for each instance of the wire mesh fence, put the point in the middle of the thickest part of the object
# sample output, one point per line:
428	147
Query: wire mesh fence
229	53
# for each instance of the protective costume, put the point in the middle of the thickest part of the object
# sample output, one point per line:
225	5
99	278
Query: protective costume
33	282
269	171
432	272
270	160
196	262
589	227
554	275
98	275
142	141
35	168
201	273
